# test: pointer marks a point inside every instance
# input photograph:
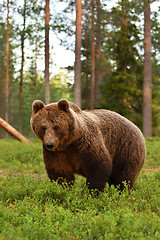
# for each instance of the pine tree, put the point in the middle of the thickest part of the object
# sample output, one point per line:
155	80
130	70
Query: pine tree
122	88
7	70
147	84
23	36
77	69
47	85
93	57
2	68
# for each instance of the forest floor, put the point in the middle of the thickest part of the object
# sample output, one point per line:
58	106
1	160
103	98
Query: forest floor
33	208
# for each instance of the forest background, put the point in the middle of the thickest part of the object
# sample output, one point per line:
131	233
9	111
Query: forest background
118	36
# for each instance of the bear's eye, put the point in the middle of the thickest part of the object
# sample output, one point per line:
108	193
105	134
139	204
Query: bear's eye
56	128
43	129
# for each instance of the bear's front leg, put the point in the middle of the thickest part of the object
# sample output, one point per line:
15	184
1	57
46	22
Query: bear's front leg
61	178
98	168
98	175
57	167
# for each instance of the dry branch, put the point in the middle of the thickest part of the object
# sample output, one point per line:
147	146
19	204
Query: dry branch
13	131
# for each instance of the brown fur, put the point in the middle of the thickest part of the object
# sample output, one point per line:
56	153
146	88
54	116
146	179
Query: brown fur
100	145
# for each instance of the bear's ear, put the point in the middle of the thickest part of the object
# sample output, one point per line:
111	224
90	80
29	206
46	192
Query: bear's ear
63	105
37	105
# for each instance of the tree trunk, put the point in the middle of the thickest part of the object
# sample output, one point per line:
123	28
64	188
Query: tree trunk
147	84
87	83
77	77
93	58
47	85
98	70
7	69
1	95
124	21
21	86
35	73
21	71
13	131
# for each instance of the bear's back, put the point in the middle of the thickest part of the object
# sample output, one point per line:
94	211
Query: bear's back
116	130
113	121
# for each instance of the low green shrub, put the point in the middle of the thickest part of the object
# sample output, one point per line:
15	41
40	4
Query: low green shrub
31	207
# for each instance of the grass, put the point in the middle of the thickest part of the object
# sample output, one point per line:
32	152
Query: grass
33	208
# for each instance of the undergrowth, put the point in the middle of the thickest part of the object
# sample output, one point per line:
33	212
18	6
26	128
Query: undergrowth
33	208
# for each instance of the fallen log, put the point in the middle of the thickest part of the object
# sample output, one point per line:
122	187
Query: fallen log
13	131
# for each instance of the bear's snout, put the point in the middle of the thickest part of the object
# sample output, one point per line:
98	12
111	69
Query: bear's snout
49	145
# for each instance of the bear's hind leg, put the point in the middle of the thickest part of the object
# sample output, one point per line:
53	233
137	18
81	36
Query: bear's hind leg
122	184
122	176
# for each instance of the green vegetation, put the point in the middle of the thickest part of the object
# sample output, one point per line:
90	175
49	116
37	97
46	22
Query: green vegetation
119	57
33	208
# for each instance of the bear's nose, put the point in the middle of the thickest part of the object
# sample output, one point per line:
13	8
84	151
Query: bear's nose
49	145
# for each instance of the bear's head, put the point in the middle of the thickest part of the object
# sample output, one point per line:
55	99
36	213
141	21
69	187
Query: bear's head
53	124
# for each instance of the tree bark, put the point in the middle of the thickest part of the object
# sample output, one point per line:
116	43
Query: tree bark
13	131
124	39
77	77
87	83
47	85
2	99
147	84
21	86
7	69
93	57
21	71
98	70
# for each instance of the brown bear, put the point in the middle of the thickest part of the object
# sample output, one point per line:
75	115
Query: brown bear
100	145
